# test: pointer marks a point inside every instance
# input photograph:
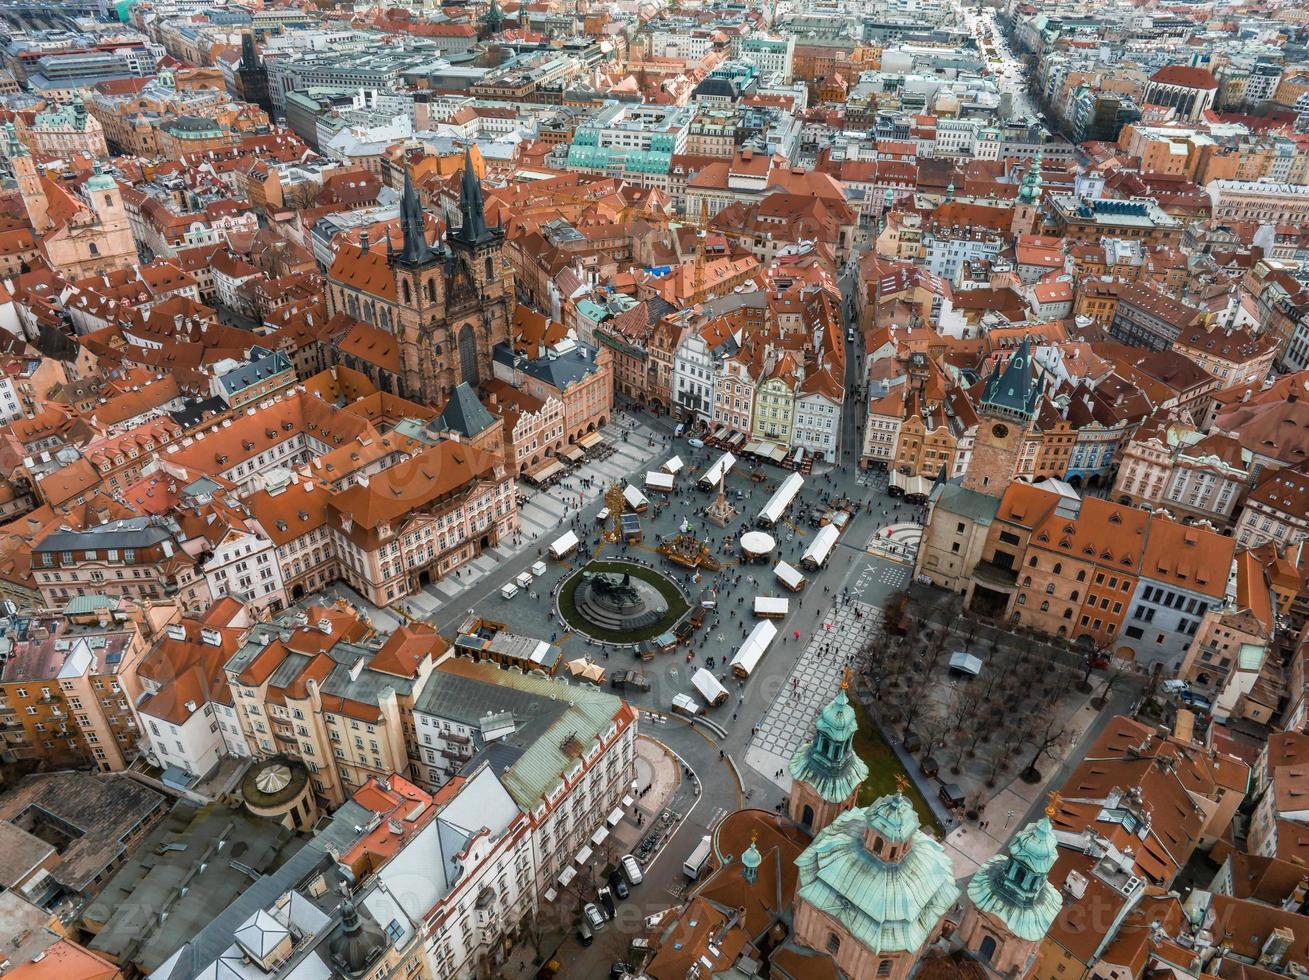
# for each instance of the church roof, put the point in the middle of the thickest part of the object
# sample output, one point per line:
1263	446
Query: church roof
464	413
1021	897
832	779
1015	387
886	906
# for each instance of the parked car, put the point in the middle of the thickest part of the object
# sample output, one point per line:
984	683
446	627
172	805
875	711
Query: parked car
695	443
593	916
607	903
1098	662
584	933
1174	686
619	885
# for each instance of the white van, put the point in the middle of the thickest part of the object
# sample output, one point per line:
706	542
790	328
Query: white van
632	870
694	864
508	591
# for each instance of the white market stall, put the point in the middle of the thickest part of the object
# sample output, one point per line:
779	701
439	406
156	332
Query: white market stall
656	480
709	687
564	546
789	576
754	648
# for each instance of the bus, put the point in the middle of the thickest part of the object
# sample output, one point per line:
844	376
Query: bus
820	549
780	501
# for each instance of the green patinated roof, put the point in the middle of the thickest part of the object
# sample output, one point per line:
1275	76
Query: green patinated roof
1026	903
833	781
894	818
752	858
1035	846
837	720
887	907
83	604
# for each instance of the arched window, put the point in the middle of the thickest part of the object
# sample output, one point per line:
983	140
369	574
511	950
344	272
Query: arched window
987	949
884	968
95	250
877	845
1073	597
1045	606
490	268
1027	581
1049	588
807	816
408	294
1081	575
833	943
1032	561
1058	567
431	290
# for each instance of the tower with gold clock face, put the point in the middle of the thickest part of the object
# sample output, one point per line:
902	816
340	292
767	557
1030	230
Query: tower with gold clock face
1005	416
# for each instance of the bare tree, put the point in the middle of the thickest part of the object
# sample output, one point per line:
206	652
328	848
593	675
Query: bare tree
1048	733
1112	679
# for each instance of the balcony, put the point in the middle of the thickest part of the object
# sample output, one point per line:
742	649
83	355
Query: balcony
993	576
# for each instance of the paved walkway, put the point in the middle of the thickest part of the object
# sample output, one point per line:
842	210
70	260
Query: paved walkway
789	720
969	846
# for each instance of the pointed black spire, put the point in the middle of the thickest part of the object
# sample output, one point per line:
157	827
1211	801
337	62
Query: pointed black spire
472	207
414	249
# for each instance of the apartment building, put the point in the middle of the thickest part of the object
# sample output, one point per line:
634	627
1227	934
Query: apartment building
322	686
1277	509
568	768
187	717
68	683
420	519
136	557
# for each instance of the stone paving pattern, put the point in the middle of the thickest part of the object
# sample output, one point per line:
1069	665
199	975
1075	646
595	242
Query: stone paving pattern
812	682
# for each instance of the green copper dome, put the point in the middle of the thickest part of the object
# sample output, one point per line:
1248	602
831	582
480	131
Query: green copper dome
751	858
1035	845
894	818
887	906
828	761
101	181
1013	887
837	720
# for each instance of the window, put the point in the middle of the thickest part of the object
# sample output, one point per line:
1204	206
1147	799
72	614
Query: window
884	968
833	943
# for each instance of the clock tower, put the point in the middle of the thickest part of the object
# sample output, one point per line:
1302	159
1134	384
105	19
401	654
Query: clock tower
1004	420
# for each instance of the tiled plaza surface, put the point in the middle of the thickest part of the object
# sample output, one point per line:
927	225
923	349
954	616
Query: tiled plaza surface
811	684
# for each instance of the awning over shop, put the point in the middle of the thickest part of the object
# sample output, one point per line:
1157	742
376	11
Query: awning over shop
590	439
583	855
569	873
573	454
550	469
550	895
616	816
600	834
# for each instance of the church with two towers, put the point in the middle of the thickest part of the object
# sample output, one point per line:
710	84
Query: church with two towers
447	303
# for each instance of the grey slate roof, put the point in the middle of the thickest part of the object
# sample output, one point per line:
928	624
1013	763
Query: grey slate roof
953	498
133	532
464	412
